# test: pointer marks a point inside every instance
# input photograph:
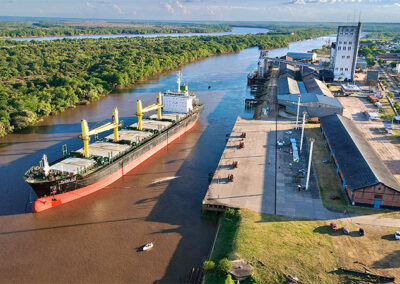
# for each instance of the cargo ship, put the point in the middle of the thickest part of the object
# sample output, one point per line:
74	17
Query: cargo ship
104	161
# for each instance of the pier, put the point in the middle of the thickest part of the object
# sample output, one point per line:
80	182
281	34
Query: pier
245	185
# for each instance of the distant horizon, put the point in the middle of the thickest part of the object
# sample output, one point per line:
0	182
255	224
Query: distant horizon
336	11
31	18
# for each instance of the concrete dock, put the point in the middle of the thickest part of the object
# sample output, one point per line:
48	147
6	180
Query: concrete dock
255	163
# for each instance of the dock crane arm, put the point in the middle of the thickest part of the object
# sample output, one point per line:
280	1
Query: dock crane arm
140	110
86	133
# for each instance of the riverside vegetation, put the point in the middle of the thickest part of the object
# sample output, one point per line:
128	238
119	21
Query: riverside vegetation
40	78
67	28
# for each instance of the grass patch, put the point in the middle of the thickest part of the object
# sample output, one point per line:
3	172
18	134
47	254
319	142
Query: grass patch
328	180
308	250
394	137
224	245
275	246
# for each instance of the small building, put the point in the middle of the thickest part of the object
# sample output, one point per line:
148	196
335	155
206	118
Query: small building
397	68
350	89
365	178
318	87
372	77
315	105
286	70
303	56
287	85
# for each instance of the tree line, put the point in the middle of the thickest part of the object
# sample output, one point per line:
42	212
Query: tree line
41	29
40	78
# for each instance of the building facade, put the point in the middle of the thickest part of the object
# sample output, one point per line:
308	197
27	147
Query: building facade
344	52
365	178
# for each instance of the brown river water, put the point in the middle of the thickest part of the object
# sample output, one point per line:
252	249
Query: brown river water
95	239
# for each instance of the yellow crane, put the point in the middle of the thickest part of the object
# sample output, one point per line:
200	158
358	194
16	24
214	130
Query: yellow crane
114	124
140	110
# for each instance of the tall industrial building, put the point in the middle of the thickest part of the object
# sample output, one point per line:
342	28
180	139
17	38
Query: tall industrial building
344	52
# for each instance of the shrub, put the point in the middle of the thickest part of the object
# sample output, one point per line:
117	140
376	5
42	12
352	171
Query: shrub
229	280
230	212
224	265
208	265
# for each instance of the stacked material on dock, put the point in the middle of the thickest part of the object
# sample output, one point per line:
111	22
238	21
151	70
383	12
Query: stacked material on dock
132	136
150	124
294	149
105	149
72	165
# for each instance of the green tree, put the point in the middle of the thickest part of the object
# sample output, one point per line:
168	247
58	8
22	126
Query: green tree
224	265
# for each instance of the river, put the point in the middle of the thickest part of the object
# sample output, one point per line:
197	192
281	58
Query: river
94	239
235	31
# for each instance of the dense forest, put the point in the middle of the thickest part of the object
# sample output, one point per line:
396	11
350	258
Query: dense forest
39	78
53	28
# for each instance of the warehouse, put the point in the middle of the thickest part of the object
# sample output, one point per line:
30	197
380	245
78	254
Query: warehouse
287	85
365	178
303	56
315	105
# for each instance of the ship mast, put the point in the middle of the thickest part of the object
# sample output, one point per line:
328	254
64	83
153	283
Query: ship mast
46	167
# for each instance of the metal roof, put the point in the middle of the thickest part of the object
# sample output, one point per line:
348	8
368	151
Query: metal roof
302	87
316	86
287	86
286	68
372	75
360	164
300	55
311	98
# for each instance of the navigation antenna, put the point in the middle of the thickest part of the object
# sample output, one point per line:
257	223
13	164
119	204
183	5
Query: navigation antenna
179	74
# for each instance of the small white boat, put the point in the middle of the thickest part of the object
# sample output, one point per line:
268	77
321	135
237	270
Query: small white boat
148	246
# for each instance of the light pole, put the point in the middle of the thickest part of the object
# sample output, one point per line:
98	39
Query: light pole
298	110
309	162
302	131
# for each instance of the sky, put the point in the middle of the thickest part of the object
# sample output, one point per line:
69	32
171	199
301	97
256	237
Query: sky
215	10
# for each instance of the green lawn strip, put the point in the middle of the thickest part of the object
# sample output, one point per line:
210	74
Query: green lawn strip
277	246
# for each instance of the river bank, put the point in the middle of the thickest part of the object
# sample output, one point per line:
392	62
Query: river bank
96	237
121	67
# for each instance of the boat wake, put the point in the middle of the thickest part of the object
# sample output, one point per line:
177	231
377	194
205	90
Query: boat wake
164	179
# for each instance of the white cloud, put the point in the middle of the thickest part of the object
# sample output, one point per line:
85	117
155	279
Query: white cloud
397	4
169	8
210	11
88	4
118	9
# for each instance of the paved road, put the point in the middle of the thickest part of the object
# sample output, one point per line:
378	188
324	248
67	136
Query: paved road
392	84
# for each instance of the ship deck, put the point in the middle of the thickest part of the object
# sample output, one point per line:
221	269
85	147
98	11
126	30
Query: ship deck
105	149
73	165
149	124
131	135
173	116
